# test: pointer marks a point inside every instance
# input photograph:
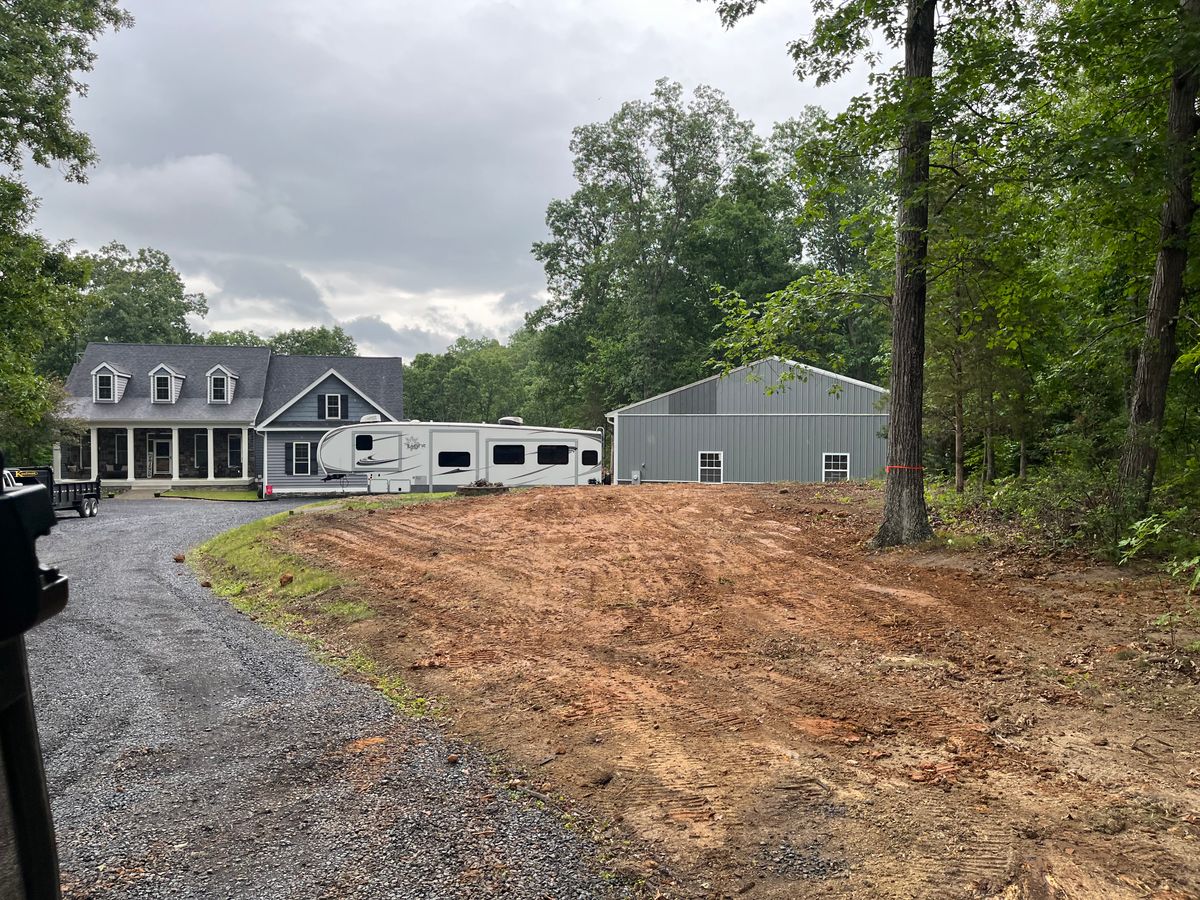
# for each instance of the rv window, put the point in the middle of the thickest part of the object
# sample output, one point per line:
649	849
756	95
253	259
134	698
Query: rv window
454	459
591	457
508	455
364	442
553	454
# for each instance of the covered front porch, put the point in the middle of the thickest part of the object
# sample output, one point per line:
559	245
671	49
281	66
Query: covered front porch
161	455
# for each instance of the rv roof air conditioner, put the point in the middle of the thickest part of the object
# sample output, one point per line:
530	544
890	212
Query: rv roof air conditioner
371	417
511	420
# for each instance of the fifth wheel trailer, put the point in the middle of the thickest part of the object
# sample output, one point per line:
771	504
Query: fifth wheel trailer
408	457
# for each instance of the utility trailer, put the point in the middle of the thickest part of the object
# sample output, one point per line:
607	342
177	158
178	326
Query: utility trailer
418	457
81	496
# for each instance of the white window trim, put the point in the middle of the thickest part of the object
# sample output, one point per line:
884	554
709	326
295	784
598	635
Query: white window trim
341	412
825	470
212	382
112	388
307	445
700	467
154	388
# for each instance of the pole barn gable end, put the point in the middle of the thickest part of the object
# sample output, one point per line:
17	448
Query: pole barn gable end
786	433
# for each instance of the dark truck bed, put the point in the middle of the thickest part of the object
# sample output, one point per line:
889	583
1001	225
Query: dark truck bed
81	496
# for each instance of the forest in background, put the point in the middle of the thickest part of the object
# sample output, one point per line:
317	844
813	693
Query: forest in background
1055	147
696	242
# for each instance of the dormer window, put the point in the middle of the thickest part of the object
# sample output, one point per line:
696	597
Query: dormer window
108	384
221	384
165	384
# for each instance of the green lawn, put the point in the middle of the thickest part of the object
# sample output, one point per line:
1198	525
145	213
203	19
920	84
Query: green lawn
212	494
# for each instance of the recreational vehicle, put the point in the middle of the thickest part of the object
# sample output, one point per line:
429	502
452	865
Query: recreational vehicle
404	457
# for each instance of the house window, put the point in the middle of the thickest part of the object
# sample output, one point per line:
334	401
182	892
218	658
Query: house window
162	388
454	459
553	454
217	389
234	447
591	457
104	387
508	455
200	448
364	442
300	458
712	466
333	406
835	467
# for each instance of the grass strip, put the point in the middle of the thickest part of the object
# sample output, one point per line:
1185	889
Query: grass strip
247	567
239	496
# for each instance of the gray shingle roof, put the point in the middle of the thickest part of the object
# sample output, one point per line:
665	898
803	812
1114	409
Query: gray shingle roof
190	360
381	379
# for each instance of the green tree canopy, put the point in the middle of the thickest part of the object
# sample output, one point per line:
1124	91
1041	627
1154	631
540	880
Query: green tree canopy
321	340
236	338
45	45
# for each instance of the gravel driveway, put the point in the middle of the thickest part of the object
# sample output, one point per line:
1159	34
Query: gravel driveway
192	753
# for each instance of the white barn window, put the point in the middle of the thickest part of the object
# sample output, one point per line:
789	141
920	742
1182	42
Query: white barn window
835	467
712	466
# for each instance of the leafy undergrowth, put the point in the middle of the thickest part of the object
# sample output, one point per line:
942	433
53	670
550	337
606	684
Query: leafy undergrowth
247	566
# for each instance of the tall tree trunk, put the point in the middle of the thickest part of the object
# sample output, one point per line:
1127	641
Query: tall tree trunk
960	467
989	456
905	518
1159	350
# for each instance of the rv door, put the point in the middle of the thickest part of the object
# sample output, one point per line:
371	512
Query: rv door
453	458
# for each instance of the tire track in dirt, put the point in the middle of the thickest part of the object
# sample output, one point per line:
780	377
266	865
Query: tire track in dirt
726	670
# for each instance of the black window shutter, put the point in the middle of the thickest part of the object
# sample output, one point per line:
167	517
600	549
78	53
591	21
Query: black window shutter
287	458
320	406
345	406
312	458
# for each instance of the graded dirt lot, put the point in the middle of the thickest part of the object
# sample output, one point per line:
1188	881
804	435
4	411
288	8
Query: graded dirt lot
769	709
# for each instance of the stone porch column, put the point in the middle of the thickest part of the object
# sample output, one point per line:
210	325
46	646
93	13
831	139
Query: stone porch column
94	462
174	454
212	460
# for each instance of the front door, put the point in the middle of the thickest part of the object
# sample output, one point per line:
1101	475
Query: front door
162	457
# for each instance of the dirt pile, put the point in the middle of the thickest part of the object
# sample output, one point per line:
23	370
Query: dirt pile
778	711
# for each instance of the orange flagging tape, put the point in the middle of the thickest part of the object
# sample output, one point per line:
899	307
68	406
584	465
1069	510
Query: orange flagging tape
905	468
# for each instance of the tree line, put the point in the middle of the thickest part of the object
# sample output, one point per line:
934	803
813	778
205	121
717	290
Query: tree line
1000	230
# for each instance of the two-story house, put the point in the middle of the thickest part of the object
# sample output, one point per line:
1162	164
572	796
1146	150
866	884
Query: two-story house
167	415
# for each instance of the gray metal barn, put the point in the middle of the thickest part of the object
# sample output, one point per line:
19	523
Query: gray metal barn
818	427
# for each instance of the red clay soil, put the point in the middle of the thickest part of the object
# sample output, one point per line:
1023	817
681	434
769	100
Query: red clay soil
777	711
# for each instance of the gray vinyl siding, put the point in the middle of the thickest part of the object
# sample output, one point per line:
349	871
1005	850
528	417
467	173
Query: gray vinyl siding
763	437
304	410
256	454
278	478
756	448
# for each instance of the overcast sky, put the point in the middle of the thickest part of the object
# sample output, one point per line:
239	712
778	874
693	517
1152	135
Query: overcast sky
382	164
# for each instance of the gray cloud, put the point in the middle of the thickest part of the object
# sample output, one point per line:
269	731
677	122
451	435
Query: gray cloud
376	337
306	161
